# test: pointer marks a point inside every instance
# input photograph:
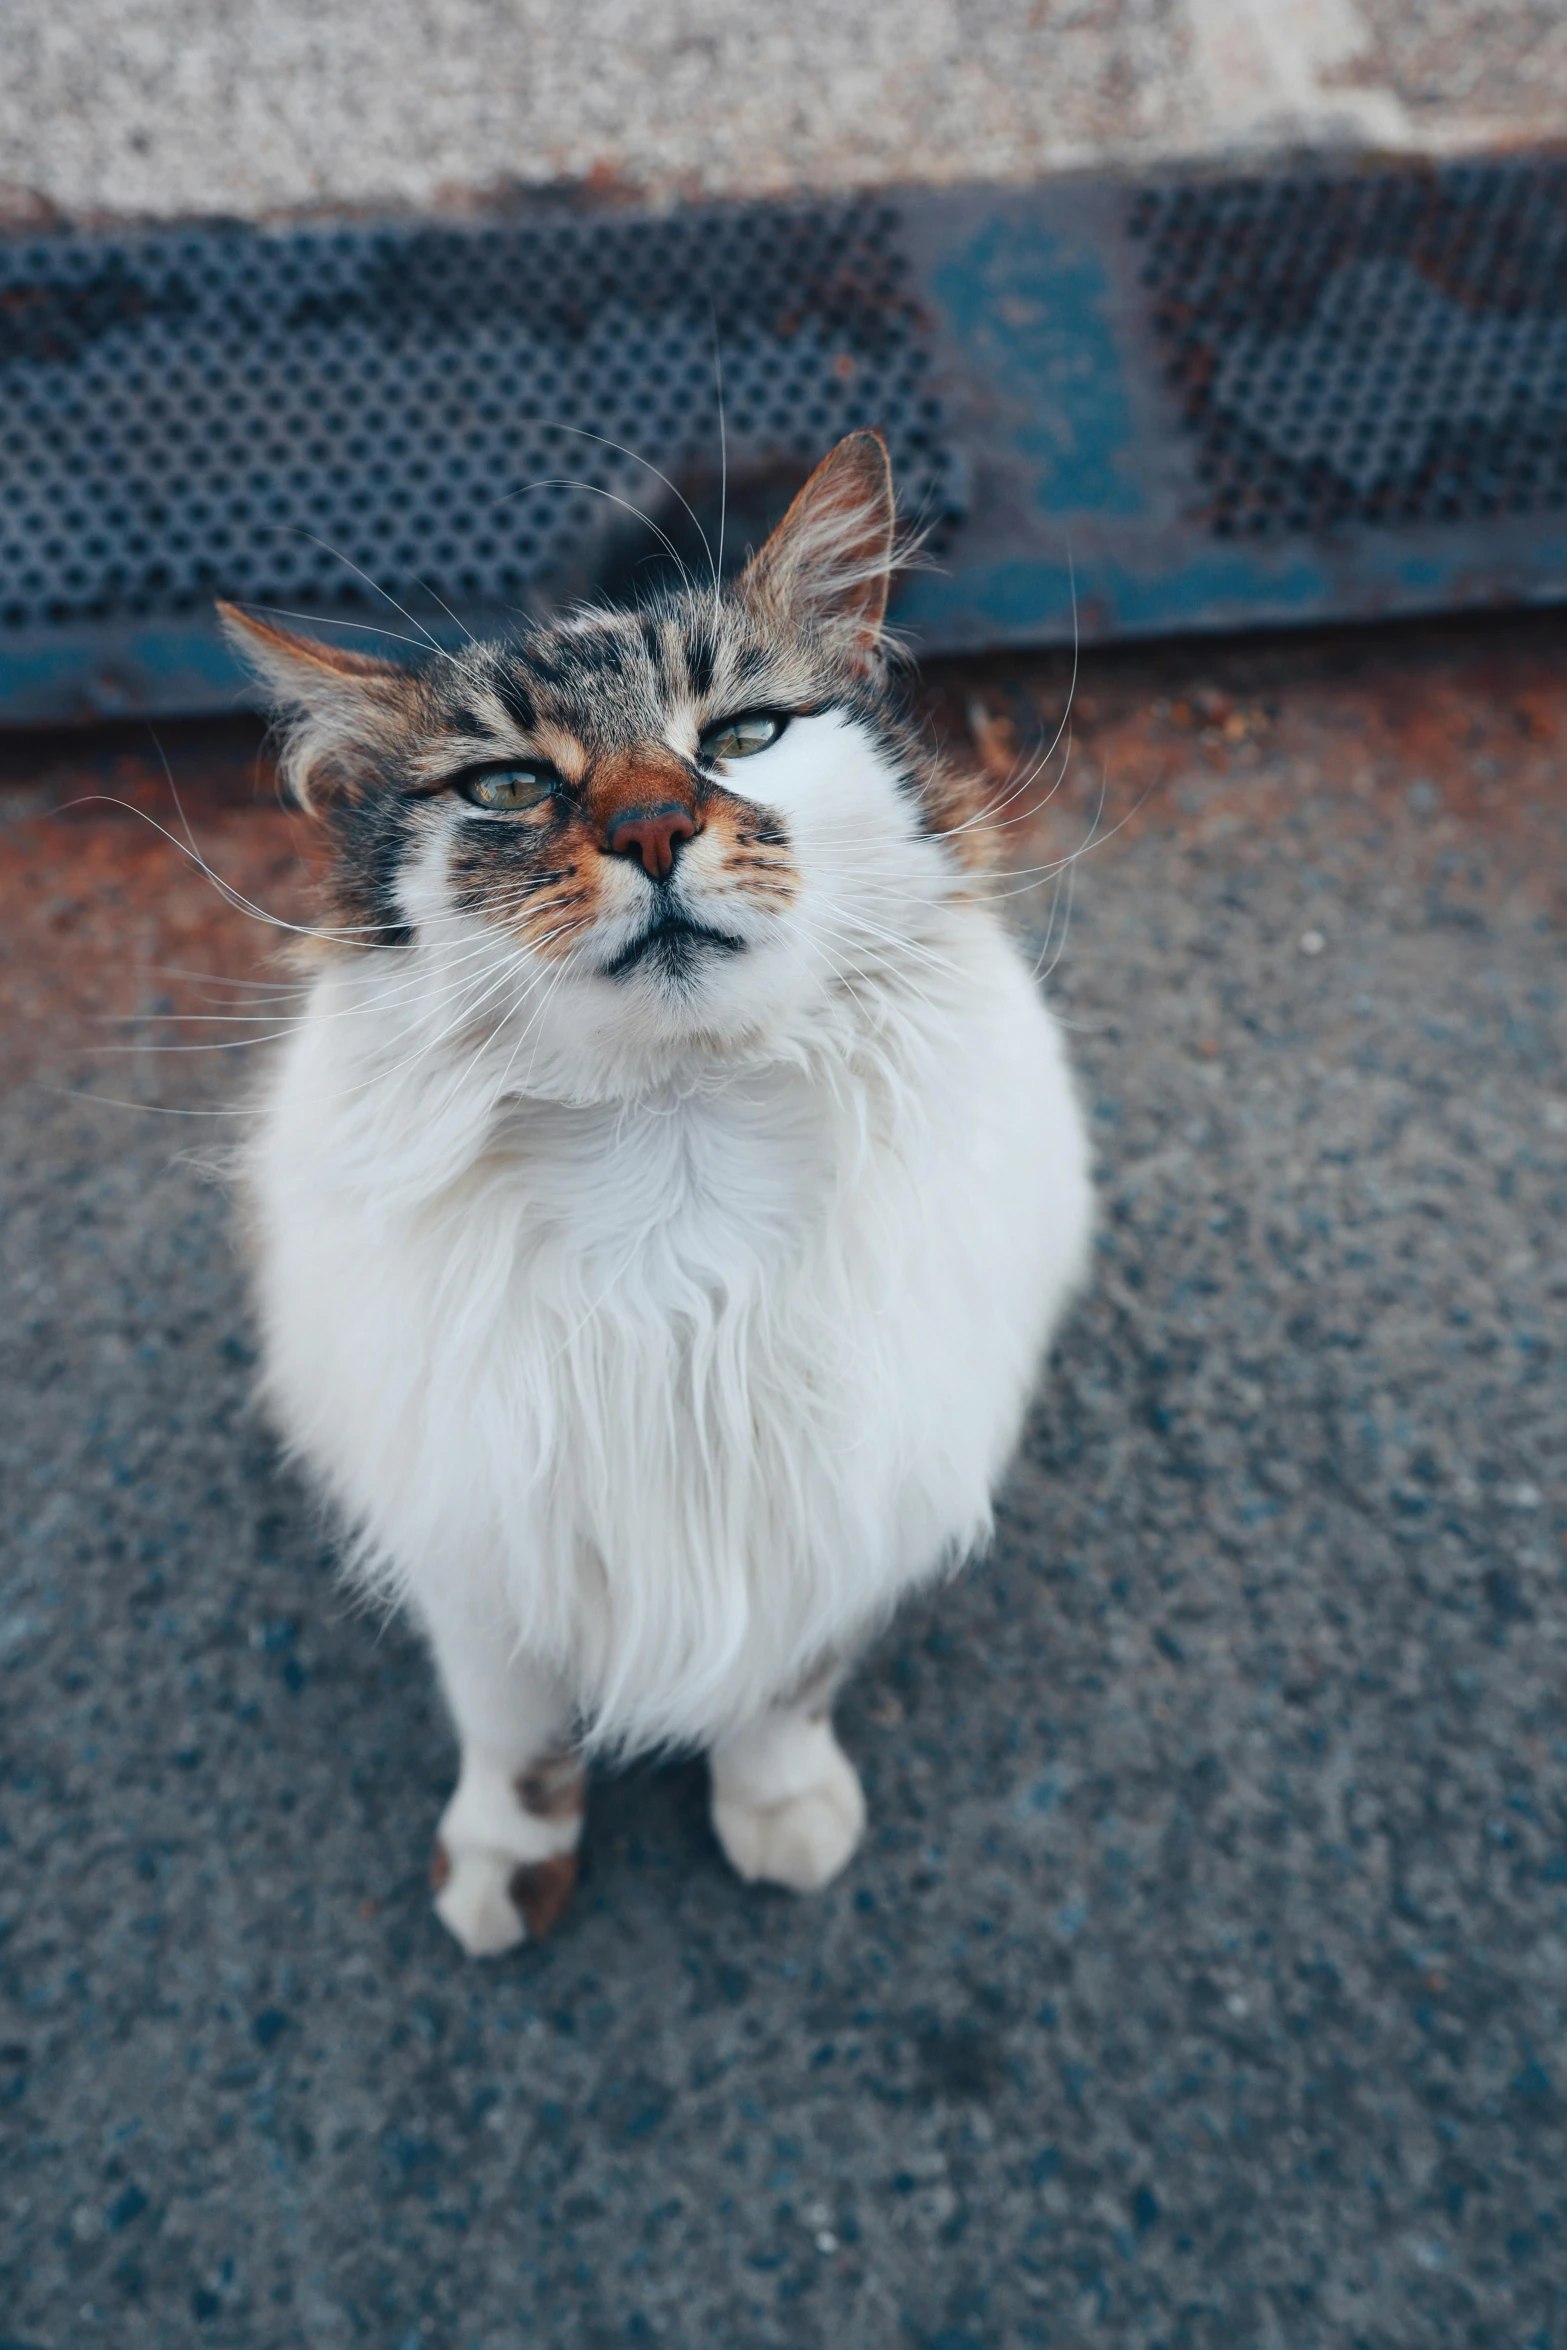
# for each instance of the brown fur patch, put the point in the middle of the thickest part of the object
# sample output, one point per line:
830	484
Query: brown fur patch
440	1866
533	877
284	648
540	1891
649	775
551	1788
544	877
563	750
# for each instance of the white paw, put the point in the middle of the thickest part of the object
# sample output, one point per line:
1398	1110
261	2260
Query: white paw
472	1901
505	1857
801	1841
490	1901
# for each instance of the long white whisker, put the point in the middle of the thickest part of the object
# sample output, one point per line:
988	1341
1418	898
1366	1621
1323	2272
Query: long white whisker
1022	878
627	505
466	633
503	910
988	818
503	977
648	466
1043	977
360	627
413	987
1042	759
349	934
723	454
434	644
110	1101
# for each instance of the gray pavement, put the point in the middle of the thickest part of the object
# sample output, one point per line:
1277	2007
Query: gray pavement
1202	1980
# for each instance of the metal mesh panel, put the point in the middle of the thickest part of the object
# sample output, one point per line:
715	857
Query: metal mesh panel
1389	349
213	410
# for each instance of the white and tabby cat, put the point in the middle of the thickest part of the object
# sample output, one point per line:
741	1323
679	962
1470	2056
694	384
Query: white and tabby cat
663	1204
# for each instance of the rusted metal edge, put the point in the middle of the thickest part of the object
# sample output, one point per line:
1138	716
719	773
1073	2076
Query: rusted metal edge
1076	508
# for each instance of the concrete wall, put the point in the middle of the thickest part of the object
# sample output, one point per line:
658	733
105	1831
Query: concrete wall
259	107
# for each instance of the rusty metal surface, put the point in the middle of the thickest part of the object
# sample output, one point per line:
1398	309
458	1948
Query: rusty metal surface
1118	410
1200	1981
1091	374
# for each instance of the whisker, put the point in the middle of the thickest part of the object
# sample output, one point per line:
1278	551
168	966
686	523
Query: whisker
348	934
636	457
233	979
433	643
360	627
413	986
627	505
466	633
1044	758
77	1093
1041	977
723	450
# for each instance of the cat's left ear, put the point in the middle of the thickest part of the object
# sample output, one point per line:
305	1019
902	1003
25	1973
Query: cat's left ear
342	710
828	565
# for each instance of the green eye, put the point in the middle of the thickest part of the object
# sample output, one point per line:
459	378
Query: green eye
507	791
740	738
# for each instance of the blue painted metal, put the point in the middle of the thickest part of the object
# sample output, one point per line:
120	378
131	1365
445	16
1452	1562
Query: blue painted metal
1084	510
100	673
1074	499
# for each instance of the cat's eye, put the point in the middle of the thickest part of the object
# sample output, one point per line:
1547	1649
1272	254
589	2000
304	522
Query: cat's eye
739	738
508	791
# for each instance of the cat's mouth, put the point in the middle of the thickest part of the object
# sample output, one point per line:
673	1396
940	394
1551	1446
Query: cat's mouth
673	945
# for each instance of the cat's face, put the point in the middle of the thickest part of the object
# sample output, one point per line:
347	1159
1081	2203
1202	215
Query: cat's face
637	836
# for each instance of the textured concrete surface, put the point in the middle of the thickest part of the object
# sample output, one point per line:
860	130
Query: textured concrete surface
1503	61
1202	1980
174	106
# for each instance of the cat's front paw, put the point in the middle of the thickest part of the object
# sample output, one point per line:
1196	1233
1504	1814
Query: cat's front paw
505	1858
491	1902
802	1839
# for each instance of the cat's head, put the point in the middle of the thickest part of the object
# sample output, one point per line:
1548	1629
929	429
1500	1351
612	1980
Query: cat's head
636	837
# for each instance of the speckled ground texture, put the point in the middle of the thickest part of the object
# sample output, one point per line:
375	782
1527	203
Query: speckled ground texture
1202	1979
272	106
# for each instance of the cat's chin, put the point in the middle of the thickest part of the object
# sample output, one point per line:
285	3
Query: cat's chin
689	985
622	1039
673	953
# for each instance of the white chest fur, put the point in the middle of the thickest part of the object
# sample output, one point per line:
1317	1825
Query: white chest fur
685	1390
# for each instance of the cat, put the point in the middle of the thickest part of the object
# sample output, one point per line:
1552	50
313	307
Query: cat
662	1207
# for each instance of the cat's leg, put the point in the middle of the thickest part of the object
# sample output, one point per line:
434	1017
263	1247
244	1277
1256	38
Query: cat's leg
787	1806
505	1858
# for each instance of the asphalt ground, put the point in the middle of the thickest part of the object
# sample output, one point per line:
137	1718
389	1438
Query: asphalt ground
1201	1980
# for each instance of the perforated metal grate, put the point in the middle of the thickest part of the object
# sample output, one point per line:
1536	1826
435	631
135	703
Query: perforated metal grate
284	418
1355	380
1389	349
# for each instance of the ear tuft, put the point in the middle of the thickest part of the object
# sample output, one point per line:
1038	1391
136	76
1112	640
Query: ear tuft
828	565
339	707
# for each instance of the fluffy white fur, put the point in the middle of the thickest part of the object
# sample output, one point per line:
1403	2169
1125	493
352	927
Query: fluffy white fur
654	1343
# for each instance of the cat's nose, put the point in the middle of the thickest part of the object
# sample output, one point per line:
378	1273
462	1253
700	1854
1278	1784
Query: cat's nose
652	835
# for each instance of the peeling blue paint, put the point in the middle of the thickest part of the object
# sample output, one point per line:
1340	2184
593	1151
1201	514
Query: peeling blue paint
1031	312
119	673
1019	599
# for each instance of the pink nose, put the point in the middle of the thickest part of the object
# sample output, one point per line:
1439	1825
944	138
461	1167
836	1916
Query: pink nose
652	835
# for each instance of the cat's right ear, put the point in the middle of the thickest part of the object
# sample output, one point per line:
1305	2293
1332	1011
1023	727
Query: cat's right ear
829	564
341	709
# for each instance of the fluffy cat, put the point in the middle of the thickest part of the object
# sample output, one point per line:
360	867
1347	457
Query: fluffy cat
662	1207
